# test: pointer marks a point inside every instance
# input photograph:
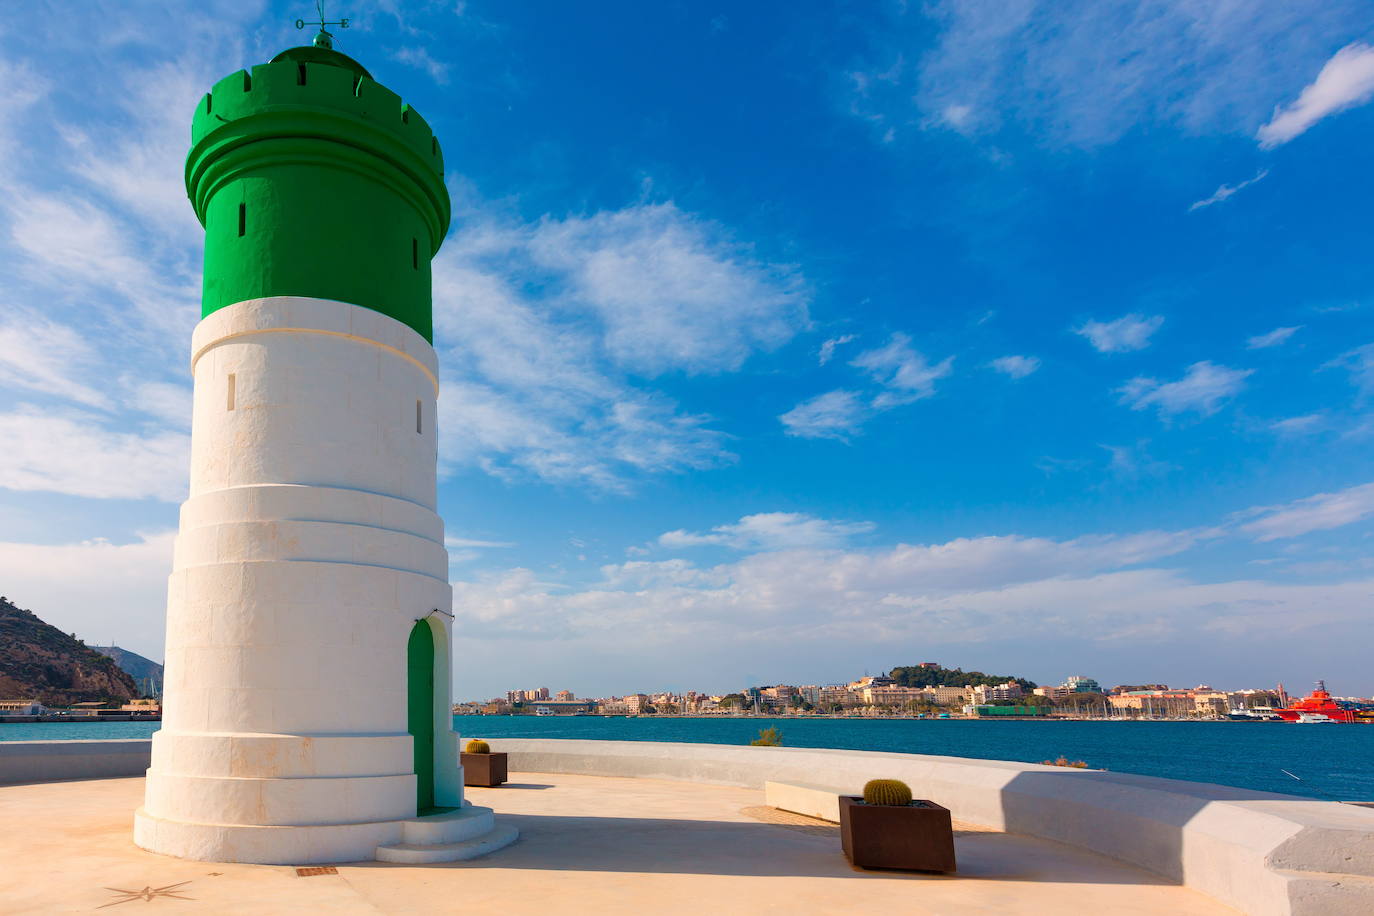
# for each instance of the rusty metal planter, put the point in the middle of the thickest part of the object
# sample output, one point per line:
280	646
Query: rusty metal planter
914	837
484	769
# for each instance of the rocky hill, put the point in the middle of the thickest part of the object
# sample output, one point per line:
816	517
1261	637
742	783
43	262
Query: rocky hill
147	674
38	660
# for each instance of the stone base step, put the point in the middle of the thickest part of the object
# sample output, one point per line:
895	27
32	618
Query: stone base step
500	836
466	823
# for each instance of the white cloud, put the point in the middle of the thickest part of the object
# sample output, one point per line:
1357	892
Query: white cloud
1017	367
965	589
168	402
770	531
1347	80
828	348
1086	74
834	415
906	374
1225	191
98	590
40	355
1201	390
1271	339
1314	513
1131	462
541	325
457	543
1298	426
902	375
73	454
816	603
420	59
673	291
1127	333
1359	362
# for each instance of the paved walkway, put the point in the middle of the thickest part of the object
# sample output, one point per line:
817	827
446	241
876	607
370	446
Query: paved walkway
588	845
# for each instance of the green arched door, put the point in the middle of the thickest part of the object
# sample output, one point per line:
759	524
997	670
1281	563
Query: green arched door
420	709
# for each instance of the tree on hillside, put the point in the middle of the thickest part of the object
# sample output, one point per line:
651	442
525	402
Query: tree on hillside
939	676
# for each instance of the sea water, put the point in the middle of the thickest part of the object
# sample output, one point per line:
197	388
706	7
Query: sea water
1333	762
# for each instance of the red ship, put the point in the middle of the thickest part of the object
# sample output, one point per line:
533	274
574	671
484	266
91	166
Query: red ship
1317	704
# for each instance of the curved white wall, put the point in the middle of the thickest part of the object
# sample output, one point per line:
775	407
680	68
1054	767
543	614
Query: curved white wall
308	549
1262	852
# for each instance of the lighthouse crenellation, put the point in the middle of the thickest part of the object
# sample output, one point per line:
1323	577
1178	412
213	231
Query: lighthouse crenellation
312	179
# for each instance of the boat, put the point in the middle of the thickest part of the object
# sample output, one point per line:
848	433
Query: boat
1320	706
1254	714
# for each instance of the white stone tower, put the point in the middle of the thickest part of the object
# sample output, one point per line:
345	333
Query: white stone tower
307	710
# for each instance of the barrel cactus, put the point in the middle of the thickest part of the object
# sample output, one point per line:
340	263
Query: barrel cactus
886	792
477	747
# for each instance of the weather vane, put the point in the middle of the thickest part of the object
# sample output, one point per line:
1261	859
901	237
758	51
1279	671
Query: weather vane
323	39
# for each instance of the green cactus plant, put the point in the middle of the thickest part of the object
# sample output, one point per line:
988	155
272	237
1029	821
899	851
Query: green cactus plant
886	792
477	747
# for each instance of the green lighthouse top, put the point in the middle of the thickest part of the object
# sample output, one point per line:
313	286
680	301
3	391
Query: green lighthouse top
312	179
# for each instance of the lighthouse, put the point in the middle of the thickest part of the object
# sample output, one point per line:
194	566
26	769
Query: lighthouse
307	715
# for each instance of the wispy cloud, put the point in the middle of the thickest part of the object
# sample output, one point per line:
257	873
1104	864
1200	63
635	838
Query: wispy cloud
905	374
1132	462
673	291
1314	513
417	57
1225	191
41	355
1017	367
827	350
550	331
1347	80
1127	333
770	531
1297	426
834	415
1359	362
95	588
900	375
457	543
1272	339
75	454
1085	74
1202	389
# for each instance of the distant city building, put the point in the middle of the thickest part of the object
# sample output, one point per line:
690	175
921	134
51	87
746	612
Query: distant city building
1006	691
564	695
891	695
1077	683
950	696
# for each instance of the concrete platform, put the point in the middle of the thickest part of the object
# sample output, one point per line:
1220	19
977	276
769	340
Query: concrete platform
588	844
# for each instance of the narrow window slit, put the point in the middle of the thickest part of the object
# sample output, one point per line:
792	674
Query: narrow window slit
233	379
243	219
300	74
419	418
247	81
405	116
209	101
415	254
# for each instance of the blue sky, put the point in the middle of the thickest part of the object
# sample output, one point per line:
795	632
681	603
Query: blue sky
779	344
